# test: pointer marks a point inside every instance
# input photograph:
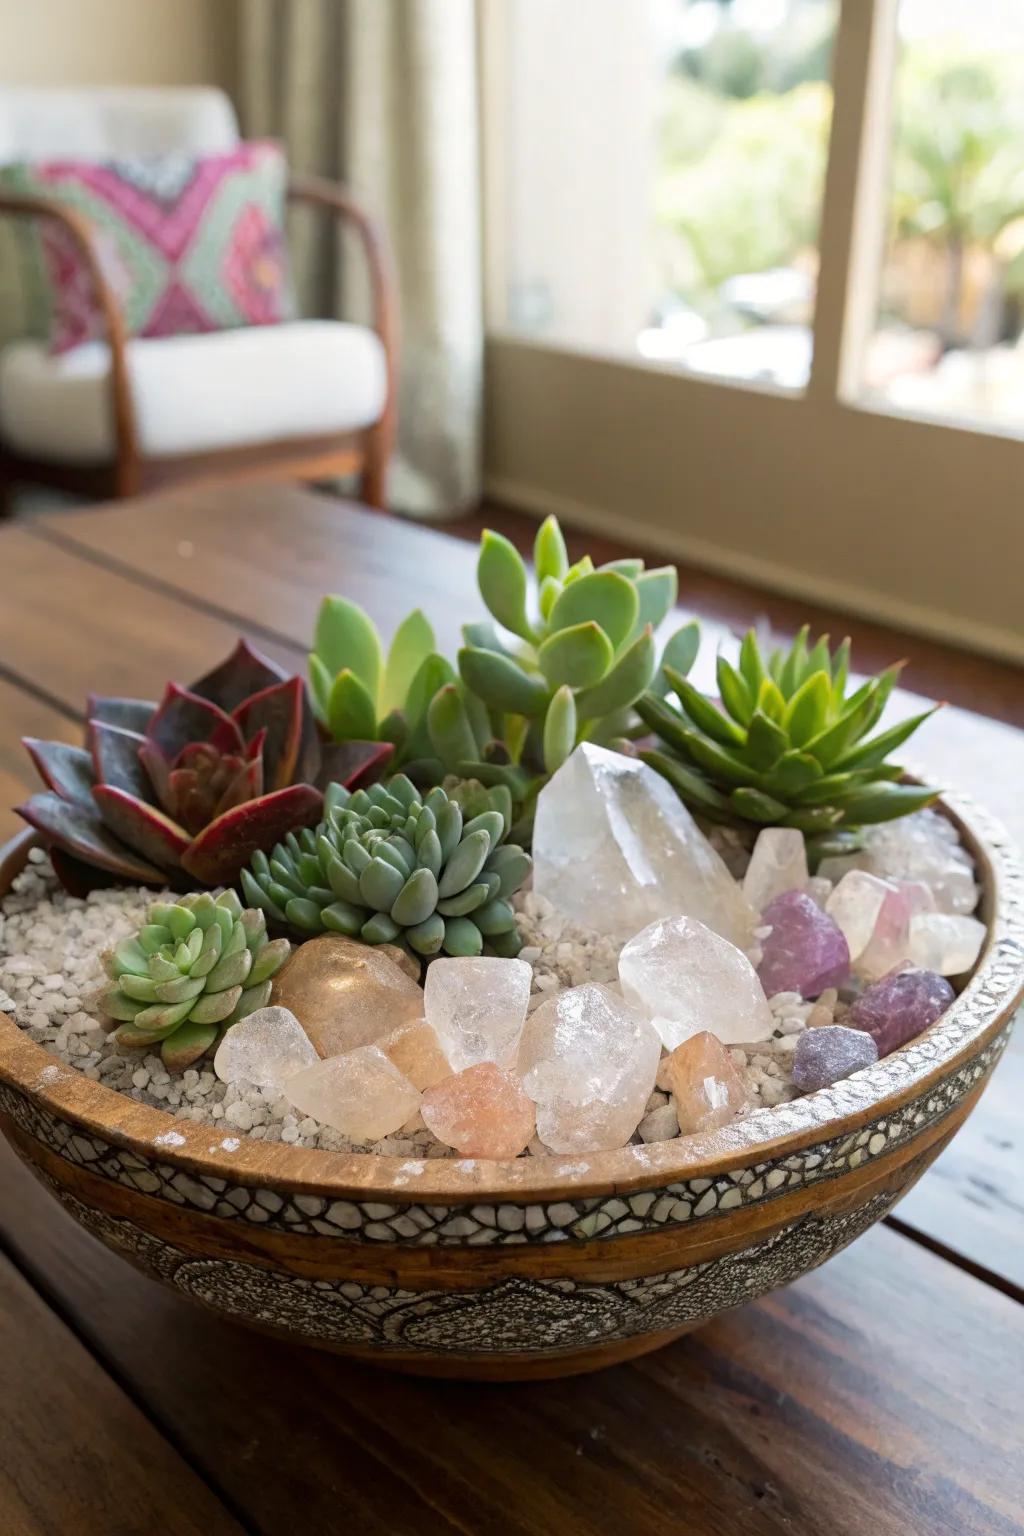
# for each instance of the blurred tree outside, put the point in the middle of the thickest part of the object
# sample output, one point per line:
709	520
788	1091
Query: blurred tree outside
958	184
742	155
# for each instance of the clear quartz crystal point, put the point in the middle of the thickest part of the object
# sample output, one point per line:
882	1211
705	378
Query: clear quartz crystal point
264	1049
614	849
778	863
477	1006
685	978
588	1061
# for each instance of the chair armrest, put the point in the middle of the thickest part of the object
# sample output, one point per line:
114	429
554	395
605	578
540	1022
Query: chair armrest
79	230
316	192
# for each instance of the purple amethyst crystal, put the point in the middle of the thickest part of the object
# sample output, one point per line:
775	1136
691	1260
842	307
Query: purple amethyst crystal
805	951
823	1056
900	1006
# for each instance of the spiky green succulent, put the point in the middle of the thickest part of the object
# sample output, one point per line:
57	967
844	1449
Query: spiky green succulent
197	966
578	662
787	745
389	867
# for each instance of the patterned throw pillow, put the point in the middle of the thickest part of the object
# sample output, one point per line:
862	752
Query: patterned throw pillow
187	243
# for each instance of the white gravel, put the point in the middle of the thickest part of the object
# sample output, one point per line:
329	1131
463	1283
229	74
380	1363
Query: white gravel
50	977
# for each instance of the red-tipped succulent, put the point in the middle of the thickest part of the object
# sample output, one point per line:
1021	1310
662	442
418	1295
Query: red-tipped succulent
184	792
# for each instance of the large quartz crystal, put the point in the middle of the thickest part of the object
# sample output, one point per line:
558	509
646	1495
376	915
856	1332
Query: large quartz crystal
362	1094
481	1112
346	994
778	863
265	1049
805	951
706	1087
922	847
900	1006
477	1006
685	978
944	943
614	849
588	1061
823	1056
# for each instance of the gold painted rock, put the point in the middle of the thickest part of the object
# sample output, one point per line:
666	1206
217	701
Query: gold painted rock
346	994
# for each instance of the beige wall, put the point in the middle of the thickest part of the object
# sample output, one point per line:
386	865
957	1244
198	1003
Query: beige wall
117	42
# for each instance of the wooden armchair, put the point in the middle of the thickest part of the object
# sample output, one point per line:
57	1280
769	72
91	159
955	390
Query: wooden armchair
306	400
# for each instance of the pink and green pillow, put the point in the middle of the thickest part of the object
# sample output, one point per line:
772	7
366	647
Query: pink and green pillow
189	243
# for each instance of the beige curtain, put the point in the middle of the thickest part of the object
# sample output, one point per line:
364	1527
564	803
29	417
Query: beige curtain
382	95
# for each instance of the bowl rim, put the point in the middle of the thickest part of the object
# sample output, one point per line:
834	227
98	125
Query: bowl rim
985	1003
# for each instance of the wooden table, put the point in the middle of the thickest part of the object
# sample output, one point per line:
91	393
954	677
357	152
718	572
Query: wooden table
879	1395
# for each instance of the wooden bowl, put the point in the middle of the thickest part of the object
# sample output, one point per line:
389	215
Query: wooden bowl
525	1268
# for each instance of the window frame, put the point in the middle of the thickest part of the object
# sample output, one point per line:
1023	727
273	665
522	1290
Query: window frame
733	476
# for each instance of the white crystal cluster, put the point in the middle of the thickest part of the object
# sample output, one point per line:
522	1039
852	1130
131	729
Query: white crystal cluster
634	1009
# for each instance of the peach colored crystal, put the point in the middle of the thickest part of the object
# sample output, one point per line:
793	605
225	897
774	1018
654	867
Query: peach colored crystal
706	1087
416	1051
363	1095
346	994
481	1112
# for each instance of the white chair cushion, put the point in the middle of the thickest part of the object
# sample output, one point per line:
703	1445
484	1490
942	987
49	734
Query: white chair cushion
195	394
46	123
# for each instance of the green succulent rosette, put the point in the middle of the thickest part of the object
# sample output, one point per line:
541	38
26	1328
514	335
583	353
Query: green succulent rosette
389	866
197	966
787	744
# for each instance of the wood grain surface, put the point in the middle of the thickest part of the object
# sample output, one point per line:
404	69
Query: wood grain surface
877	1395
78	1454
874	1396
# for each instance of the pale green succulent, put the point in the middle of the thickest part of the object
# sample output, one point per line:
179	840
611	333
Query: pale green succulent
576	665
359	694
197	966
389	867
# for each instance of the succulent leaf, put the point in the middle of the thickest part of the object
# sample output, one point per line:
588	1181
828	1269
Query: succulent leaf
501	577
606	597
559	729
413	639
623	685
502	683
345	640
579	656
549	554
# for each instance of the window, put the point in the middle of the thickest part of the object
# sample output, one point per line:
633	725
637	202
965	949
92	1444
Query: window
663	178
749	264
947	341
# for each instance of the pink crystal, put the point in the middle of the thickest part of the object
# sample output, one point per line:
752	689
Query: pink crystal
823	1056
889	944
706	1087
481	1112
805	952
900	1006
